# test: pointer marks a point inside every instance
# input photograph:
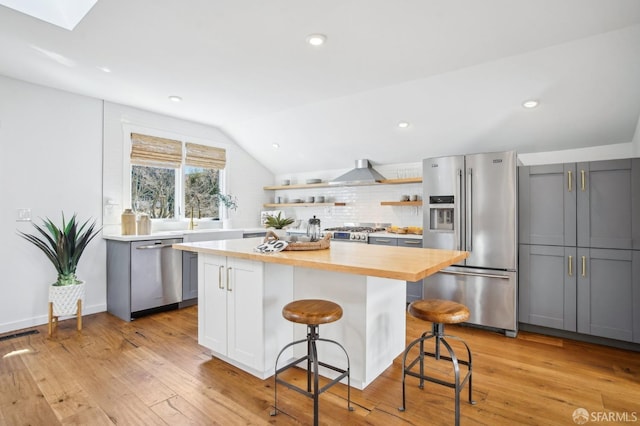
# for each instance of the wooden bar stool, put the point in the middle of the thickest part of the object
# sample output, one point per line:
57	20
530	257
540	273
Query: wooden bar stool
312	312
439	313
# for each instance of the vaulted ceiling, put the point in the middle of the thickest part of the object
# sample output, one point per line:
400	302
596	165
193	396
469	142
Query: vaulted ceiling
457	71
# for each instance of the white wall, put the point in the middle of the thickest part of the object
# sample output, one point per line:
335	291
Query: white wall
636	140
595	153
51	161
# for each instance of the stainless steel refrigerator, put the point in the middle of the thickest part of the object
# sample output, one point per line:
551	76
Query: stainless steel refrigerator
470	204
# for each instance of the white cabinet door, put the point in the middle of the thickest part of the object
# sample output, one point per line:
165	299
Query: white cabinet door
230	309
212	303
245	316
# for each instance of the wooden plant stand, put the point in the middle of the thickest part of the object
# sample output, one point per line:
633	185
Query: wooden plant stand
53	320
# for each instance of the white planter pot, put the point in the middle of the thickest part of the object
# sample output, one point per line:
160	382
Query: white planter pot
65	298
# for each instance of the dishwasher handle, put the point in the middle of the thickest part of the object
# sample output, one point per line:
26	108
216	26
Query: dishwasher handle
153	246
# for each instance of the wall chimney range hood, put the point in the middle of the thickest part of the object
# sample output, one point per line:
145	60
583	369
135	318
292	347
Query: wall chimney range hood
363	174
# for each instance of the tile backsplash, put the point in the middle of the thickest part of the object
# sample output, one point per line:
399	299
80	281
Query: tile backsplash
363	203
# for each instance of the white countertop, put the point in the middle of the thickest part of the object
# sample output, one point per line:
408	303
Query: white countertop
217	234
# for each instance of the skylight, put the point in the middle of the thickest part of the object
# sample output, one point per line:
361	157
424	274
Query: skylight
63	13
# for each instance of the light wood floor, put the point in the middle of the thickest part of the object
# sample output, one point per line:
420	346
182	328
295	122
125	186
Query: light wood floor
152	371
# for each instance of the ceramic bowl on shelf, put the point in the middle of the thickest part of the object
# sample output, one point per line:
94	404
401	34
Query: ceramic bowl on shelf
311	181
295	200
320	199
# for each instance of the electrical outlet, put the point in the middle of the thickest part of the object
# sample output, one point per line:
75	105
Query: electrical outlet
23	215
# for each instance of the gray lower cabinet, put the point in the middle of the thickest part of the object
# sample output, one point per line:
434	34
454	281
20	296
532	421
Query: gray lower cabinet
189	278
547	287
586	290
414	288
608	293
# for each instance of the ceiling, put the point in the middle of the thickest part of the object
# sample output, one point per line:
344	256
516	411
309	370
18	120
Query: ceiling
456	70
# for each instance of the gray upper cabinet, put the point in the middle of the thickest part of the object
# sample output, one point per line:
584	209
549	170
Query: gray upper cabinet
547	210
608	205
594	204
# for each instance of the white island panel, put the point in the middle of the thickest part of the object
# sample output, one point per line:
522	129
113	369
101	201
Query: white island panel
372	328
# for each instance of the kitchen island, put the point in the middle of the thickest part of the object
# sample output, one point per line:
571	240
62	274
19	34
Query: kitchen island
242	292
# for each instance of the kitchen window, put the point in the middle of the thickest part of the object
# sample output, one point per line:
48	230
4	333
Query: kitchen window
175	179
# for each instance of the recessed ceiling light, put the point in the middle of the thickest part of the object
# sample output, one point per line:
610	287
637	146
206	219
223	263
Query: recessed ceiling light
175	98
316	39
275	145
404	124
532	103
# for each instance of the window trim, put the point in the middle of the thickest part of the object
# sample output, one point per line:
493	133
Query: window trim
181	214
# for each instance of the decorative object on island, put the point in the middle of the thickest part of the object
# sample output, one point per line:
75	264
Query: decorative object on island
293	245
278	222
64	246
314	229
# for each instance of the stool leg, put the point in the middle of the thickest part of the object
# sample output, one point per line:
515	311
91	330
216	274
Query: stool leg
456	374
275	376
404	364
314	355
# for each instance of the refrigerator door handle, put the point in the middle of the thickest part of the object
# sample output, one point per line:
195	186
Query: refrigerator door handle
458	230
470	210
474	274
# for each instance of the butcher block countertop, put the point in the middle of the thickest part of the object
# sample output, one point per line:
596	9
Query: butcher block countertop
401	263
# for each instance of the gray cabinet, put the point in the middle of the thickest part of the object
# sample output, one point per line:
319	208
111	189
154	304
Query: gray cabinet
547	286
414	288
383	241
579	240
608	293
189	279
547	204
594	204
608	205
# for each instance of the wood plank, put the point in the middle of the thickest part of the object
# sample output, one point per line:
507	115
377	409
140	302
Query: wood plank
105	375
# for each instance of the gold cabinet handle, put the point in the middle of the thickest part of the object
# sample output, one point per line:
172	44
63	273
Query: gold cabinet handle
570	179
220	284
228	279
570	266
582	179
584	266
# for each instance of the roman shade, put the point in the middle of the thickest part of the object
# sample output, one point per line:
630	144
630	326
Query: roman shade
154	151
205	156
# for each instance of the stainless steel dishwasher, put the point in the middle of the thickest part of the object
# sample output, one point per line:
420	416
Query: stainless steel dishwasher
156	275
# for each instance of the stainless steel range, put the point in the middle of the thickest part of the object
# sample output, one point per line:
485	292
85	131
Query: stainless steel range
355	232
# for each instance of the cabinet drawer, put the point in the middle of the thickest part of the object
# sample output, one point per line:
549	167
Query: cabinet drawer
383	241
410	242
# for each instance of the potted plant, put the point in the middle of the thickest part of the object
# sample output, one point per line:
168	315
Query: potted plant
278	222
64	246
